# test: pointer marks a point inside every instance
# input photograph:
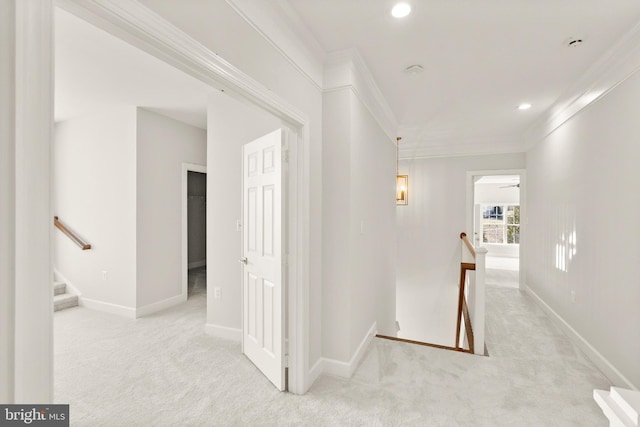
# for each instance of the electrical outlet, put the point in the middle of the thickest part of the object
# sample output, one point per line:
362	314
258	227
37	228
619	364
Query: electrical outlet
105	276
217	293
572	295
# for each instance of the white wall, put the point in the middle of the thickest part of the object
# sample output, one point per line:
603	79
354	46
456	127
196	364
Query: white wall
336	233
230	125
430	226
212	23
197	217
583	199
373	207
118	175
485	194
358	226
94	172
163	144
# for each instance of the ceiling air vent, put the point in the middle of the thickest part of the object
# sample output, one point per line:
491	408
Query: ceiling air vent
574	42
414	69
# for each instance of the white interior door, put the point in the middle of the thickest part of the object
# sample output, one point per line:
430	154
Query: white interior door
263	296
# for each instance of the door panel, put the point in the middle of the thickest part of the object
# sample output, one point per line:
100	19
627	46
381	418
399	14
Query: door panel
263	296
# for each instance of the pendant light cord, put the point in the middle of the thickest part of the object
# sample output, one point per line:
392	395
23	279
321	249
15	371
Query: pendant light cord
398	154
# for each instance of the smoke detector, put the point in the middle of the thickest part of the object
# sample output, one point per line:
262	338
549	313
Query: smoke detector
414	69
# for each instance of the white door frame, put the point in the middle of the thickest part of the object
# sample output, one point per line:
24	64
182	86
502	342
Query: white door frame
141	27
26	117
523	209
186	168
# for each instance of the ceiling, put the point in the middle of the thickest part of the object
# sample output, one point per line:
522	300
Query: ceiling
481	59
95	70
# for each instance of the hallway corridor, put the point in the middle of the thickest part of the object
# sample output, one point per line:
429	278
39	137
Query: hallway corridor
163	370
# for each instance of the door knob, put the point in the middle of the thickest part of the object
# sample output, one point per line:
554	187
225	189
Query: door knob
243	260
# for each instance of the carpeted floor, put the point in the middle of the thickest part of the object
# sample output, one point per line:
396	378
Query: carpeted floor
163	370
503	271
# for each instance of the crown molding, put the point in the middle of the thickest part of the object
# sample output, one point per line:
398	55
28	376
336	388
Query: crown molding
345	69
615	66
279	25
301	30
457	145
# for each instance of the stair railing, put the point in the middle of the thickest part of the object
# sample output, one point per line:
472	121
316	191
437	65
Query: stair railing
70	234
471	298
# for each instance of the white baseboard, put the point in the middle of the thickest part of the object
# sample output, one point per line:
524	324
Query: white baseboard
223	332
315	372
66	281
107	307
197	264
346	369
336	368
160	305
594	355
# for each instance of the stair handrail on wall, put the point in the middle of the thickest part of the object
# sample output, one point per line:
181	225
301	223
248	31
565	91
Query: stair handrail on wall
70	234
471	298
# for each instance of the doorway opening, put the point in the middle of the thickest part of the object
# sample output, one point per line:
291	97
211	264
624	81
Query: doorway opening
196	234
186	55
497	224
194	231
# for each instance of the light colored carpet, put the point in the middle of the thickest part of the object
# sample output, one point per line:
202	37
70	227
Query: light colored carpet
503	271
197	281
163	370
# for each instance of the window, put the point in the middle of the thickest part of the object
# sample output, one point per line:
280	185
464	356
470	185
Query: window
501	224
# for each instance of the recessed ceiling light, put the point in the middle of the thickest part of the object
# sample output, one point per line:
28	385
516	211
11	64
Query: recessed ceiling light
401	10
524	106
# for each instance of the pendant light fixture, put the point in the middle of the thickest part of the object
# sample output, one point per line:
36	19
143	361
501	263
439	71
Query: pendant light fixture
402	181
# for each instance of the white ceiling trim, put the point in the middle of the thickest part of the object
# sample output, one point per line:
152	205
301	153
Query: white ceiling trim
415	143
455	147
349	87
346	69
613	68
306	57
466	151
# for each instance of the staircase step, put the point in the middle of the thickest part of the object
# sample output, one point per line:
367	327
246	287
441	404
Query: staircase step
628	401
62	301
59	288
618	415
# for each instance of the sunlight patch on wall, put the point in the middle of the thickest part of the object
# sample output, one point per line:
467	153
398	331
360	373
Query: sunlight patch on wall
566	247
